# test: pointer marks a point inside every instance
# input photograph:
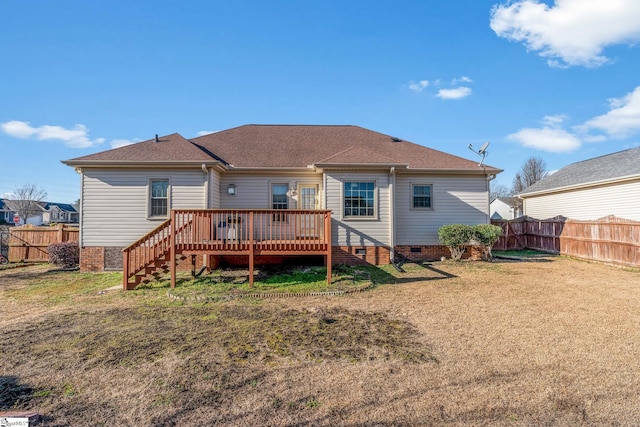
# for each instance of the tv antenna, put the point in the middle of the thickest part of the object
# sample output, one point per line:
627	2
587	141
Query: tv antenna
482	152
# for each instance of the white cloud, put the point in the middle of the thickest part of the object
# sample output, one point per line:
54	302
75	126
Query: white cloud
419	86
206	132
117	143
75	138
554	121
8	195
457	93
570	32
463	79
622	120
546	139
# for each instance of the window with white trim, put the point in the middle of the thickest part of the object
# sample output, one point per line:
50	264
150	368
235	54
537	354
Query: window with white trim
422	196
359	199
158	198
279	199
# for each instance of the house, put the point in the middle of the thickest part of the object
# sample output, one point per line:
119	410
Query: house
375	195
505	208
587	190
6	214
59	213
41	213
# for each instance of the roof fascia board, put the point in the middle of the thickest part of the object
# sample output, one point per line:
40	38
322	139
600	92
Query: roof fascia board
244	169
455	171
145	165
360	165
580	186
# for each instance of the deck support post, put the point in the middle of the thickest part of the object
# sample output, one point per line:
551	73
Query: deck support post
327	239
251	249
172	249
125	271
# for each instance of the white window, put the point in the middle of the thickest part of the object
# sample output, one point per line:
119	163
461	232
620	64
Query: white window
158	198
359	200
279	199
422	196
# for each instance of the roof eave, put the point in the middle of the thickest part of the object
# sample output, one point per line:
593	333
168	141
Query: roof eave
359	165
140	164
464	171
524	195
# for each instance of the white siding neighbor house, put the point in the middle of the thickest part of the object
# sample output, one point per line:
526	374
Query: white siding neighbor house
588	190
506	208
382	196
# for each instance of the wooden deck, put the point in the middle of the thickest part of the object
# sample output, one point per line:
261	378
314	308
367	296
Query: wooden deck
228	232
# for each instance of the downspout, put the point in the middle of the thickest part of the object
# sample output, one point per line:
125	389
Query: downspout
81	207
205	170
392	208
489	178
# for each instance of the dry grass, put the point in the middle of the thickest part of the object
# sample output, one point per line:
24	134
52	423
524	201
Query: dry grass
509	343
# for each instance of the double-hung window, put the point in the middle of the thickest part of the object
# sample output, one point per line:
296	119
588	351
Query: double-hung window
422	196
359	200
158	198
279	199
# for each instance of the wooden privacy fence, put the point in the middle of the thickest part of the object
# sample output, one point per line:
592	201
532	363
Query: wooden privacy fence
30	243
610	239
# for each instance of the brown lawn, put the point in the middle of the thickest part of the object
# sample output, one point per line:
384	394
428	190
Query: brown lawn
553	342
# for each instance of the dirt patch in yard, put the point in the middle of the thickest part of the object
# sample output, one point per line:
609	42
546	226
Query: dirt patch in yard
506	343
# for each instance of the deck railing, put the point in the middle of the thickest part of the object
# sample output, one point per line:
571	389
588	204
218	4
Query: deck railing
231	232
268	231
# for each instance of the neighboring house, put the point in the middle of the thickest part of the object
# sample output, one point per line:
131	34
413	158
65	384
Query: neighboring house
506	208
44	213
6	214
587	190
385	195
60	213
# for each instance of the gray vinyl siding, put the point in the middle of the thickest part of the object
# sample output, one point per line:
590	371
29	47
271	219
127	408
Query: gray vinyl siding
358	232
115	202
254	191
214	189
621	200
455	200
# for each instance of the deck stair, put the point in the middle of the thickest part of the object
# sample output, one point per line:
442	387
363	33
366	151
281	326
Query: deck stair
216	232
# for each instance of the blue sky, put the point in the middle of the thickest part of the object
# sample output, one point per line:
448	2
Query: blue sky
556	79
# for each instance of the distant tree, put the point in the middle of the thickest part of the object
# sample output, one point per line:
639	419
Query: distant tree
25	201
499	190
532	171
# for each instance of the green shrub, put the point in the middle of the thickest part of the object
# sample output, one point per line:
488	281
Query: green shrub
456	237
64	255
486	235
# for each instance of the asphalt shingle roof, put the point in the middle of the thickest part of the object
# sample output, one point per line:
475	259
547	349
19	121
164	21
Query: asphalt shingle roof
599	169
287	146
169	148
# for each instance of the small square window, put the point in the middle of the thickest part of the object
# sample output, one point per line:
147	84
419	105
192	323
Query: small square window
361	251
